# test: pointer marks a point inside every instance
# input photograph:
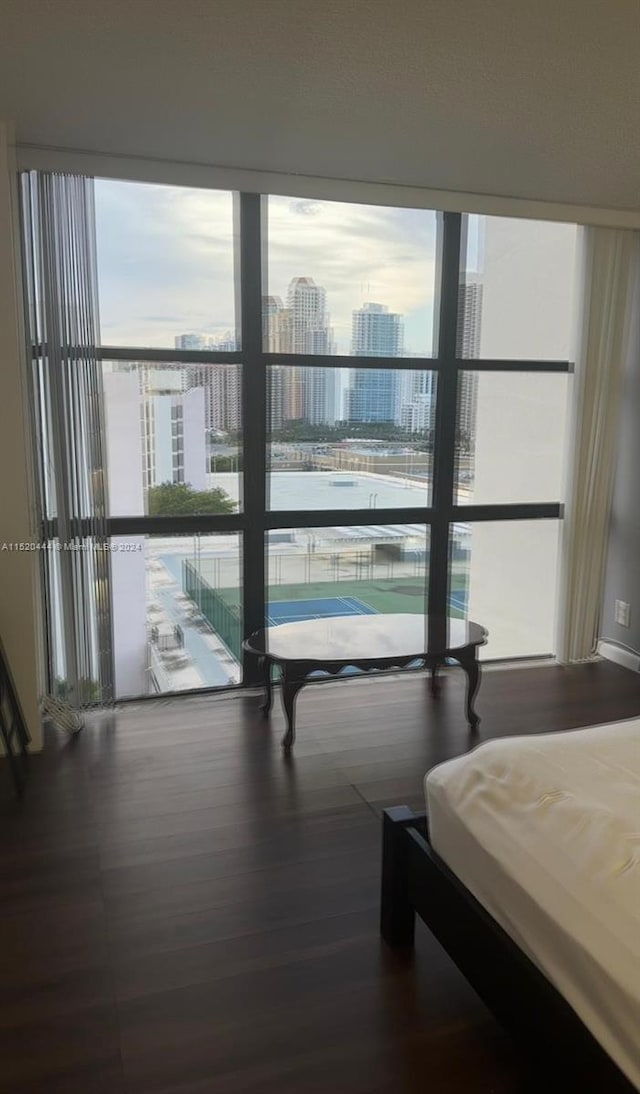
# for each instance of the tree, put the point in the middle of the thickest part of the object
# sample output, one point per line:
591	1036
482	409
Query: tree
226	463
179	499
300	431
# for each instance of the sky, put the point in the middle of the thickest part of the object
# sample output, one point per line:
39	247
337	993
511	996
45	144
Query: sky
165	262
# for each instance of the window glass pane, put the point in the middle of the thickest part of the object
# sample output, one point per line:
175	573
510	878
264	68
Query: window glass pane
510	437
349	279
318	572
516	296
165	266
504	576
173	438
349	438
177	612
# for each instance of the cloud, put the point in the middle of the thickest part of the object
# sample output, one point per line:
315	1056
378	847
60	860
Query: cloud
304	207
166	261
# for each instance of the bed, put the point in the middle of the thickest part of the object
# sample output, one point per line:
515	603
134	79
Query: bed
526	867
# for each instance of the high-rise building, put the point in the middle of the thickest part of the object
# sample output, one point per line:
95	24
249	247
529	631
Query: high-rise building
469	329
277	378
191	341
469	317
313	391
277	329
376	332
222	389
220	383
322	395
374	394
307	303
224	343
284	385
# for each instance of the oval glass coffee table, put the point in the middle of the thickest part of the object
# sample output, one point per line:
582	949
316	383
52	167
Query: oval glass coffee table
330	647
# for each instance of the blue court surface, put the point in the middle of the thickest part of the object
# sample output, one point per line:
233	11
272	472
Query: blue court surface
296	611
458	600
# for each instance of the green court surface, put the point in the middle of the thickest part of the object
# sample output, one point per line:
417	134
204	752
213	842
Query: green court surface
404	594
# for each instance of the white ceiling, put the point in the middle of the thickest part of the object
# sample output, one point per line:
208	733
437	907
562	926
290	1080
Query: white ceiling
526	98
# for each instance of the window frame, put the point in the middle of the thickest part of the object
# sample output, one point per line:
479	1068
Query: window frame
255	519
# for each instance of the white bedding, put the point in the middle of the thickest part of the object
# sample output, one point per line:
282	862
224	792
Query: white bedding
545	832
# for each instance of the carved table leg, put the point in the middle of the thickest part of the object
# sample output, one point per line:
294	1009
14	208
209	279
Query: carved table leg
290	689
435	684
265	665
471	666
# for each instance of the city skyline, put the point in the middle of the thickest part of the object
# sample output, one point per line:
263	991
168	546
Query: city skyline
315	394
301	325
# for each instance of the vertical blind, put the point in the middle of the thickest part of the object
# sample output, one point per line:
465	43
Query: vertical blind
66	387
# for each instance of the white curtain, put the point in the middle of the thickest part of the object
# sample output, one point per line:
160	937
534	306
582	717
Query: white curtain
607	283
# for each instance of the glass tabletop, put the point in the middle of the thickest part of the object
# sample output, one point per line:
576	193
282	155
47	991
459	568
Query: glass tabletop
366	637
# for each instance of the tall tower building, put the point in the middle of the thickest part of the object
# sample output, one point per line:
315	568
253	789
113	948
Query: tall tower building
277	379
469	328
220	383
313	390
191	341
284	382
307	303
374	394
376	332
277	332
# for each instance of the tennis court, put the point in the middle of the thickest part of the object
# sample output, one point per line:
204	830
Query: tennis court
458	600
296	611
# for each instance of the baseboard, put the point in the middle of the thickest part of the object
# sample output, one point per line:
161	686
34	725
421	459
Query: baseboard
627	658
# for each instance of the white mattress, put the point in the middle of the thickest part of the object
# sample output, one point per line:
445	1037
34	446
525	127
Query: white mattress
545	832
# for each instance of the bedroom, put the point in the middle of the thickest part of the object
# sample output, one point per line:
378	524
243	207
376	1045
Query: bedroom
342	259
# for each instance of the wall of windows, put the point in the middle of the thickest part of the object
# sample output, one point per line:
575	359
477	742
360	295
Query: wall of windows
313	403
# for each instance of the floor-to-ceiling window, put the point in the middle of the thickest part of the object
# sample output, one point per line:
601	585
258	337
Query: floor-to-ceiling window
316	407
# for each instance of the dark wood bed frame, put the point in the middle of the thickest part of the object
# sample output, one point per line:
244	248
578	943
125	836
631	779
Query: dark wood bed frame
415	880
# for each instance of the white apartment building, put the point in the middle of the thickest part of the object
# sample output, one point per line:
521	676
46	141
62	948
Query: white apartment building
155	433
418	415
173	429
416	401
122	404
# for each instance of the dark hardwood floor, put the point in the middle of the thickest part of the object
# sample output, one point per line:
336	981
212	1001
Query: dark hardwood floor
184	910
